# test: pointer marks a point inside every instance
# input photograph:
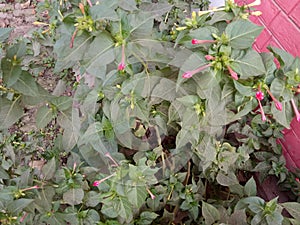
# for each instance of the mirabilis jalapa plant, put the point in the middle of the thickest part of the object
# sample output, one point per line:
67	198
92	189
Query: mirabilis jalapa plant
170	111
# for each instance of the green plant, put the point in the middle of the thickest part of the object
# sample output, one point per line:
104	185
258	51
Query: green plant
171	114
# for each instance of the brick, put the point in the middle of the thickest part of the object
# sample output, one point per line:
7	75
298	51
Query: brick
286	5
290	145
287	33
269	11
294	15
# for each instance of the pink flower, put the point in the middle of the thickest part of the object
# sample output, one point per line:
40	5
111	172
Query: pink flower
278	105
260	96
150	193
209	57
295	110
97	182
112	159
122	65
189	74
197	42
233	74
30	188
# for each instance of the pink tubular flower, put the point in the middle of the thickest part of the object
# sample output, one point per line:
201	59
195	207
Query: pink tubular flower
260	96
209	57
30	188
122	65
189	74
150	193
197	42
295	110
97	182
233	74
278	105
111	158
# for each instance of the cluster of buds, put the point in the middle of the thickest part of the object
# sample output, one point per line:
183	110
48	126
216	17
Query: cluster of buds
232	73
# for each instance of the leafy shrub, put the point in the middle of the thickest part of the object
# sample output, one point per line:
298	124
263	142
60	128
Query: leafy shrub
171	114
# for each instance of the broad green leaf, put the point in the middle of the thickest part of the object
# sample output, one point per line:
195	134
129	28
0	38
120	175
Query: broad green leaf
68	57
250	187
43	116
293	208
43	202
220	16
285	59
104	10
17	205
285	116
71	123
146	218
129	5
99	54
62	103
3	173
123	207
10	112
242	89
26	85
210	213
248	65
17	50
137	195
256	204
73	196
227	179
10	72
49	169
275	218
242	33
4	33
278	89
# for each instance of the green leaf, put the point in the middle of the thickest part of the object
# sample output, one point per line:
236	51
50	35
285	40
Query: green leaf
285	59
248	65
68	57
146	218
210	213
43	116
129	5
26	85
123	208
242	89
3	173
293	208
242	33
49	169
250	187
285	116
104	10
73	196
10	112
17	205
137	195
99	54
4	33
227	180
71	123
62	103
278	89
11	73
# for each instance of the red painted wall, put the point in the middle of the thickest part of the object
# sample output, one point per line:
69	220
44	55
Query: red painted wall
281	19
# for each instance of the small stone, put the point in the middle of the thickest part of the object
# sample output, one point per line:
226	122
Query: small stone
18	6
